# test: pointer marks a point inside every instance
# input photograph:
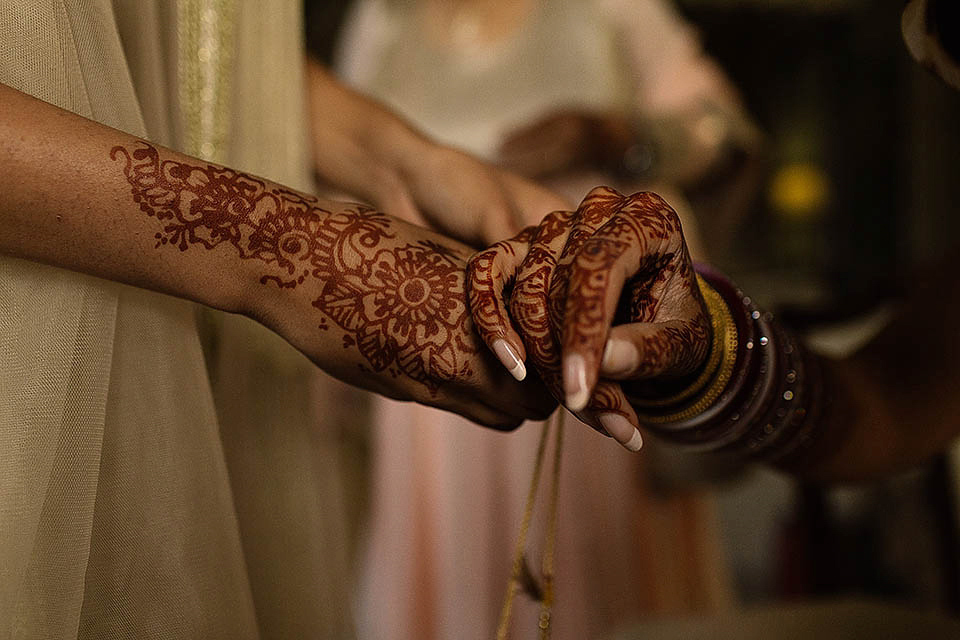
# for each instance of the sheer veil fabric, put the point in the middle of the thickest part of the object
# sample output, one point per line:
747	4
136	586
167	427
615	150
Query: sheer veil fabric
137	499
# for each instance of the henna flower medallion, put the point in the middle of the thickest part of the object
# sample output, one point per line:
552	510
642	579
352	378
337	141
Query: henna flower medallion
416	298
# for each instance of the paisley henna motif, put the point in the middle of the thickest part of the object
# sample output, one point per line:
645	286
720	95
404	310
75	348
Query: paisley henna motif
402	306
588	287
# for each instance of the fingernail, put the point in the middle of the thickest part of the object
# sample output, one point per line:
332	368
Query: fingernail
575	382
619	357
510	359
622	431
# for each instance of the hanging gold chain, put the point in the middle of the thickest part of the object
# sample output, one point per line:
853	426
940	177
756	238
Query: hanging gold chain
517	575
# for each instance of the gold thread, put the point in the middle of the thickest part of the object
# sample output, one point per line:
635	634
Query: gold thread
550	542
729	340
516	576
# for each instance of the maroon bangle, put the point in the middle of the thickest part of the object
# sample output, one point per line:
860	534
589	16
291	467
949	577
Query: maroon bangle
778	406
772	403
807	418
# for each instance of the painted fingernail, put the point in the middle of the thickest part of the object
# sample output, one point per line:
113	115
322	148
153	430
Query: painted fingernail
510	359
619	357
575	382
622	431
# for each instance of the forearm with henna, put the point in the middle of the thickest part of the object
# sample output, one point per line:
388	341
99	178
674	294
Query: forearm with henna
398	304
369	298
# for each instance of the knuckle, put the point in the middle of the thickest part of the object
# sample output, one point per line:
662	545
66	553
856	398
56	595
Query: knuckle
602	192
529	310
670	216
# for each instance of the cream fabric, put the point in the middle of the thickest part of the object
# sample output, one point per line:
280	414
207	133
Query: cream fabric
125	510
116	510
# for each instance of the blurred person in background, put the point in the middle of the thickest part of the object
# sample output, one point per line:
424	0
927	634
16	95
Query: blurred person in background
574	94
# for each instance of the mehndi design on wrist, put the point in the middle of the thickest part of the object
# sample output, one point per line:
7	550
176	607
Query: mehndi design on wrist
401	305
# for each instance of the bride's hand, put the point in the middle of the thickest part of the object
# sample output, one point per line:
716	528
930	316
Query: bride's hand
369	298
565	283
384	307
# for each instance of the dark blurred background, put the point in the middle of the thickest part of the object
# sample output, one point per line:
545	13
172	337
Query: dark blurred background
861	181
860	190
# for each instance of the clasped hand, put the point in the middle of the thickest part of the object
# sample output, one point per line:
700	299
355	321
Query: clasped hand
594	299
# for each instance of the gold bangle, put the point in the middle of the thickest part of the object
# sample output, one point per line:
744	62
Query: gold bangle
714	357
725	342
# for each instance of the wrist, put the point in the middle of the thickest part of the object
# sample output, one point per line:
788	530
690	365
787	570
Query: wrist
768	407
691	396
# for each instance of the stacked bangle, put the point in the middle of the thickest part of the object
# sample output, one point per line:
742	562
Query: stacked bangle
762	394
712	379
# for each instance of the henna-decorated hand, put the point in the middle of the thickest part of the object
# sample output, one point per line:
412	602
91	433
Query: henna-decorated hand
375	301
616	260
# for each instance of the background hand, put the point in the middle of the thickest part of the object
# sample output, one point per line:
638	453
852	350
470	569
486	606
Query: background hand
363	149
473	201
566	140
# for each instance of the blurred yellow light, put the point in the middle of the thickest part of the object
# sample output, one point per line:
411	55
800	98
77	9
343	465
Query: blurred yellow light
799	190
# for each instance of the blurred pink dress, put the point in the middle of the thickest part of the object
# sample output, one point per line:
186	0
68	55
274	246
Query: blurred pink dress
448	495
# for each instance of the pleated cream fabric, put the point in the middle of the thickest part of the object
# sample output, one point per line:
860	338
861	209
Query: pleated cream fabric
126	510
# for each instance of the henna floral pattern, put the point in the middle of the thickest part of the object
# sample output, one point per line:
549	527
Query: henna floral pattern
406	316
404	310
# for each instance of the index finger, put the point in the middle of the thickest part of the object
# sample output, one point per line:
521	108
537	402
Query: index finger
643	244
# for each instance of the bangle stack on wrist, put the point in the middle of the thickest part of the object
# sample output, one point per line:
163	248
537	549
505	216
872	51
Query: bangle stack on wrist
710	382
763	398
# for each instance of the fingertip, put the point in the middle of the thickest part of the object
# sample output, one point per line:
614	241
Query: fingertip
622	431
636	441
510	359
575	382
